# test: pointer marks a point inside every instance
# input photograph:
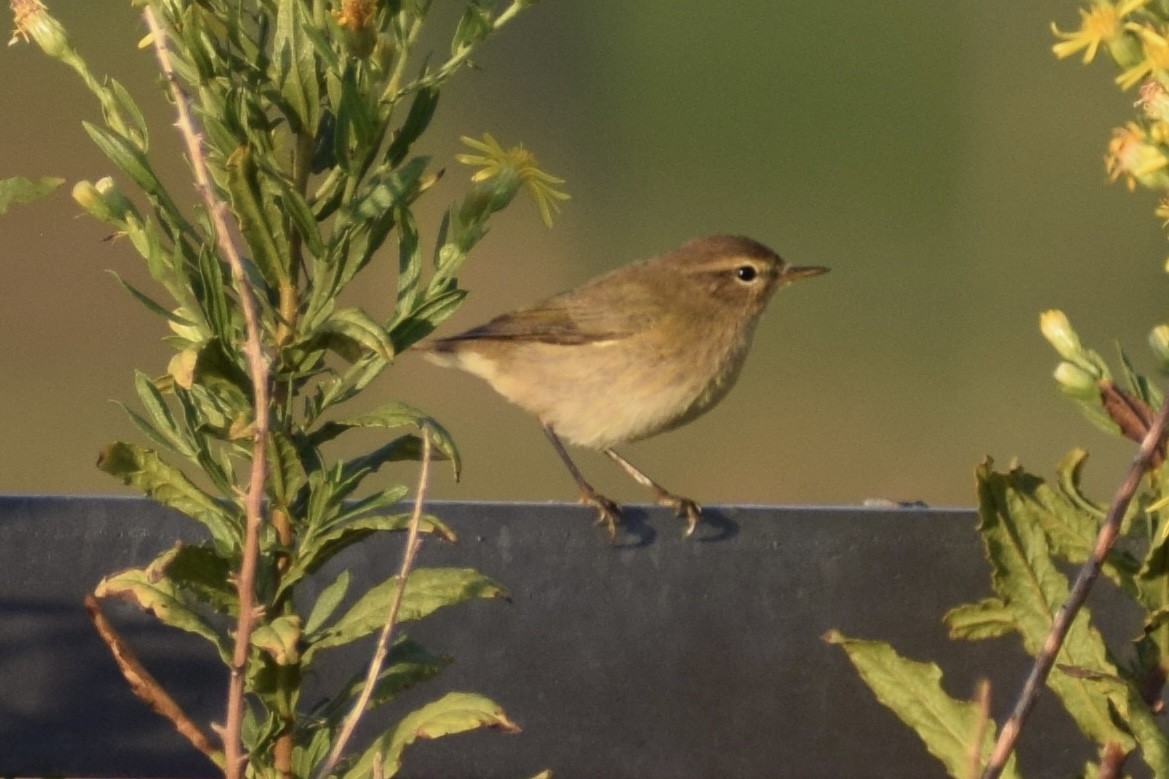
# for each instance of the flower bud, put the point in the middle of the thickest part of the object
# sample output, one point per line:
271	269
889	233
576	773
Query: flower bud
1076	381
1159	343
1059	333
104	201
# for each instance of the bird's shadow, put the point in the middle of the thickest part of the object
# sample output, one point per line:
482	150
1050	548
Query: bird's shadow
637	532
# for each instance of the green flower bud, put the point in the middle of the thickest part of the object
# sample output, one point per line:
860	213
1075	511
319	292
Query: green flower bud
1076	381
104	201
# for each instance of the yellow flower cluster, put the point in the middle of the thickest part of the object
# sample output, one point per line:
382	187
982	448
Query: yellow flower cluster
1135	33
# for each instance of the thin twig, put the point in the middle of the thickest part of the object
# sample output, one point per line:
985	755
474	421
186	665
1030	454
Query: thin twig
381	652
974	754
145	686
1083	584
258	368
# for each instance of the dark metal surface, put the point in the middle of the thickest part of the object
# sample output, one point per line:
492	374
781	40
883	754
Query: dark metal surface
659	657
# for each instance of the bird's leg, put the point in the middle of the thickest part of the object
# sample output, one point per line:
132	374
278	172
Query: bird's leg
608	512
683	507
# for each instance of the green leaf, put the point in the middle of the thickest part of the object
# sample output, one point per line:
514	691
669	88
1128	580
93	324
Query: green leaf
988	618
296	66
129	159
326	603
320	548
259	223
356	326
1025	577
390	190
422	109
142	468
164	421
279	639
396	414
427	590
206	575
408	663
18	191
129	113
413	326
913	691
456	712
148	302
302	218
153	592
1151	740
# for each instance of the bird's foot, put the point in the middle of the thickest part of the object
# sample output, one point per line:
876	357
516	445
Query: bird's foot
683	508
608	512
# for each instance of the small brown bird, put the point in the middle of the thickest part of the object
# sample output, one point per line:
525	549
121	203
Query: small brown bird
632	353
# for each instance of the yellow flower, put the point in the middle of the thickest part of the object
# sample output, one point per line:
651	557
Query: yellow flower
1131	155
496	162
1154	48
1100	24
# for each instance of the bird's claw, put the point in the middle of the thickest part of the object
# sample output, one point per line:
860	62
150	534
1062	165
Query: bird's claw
683	508
608	512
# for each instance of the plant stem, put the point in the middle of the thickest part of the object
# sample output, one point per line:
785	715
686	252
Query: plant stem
145	686
258	369
413	542
1105	538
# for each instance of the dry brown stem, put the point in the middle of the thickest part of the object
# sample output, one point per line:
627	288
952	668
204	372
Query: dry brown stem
258	370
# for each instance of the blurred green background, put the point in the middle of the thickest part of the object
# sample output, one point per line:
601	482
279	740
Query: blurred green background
936	156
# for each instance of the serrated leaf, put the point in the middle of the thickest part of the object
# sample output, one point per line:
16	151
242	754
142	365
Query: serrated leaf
988	618
153	592
913	691
1151	740
456	712
1025	577
18	190
427	590
168	485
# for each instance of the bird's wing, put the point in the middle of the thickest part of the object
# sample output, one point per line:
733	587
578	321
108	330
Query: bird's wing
584	316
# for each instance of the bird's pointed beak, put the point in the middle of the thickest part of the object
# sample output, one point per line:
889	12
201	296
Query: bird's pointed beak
792	273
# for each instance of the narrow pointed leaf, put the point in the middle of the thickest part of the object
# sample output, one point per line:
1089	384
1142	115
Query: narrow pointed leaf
168	485
427	590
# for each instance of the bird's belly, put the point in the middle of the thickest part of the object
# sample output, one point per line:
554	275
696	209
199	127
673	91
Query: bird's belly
599	402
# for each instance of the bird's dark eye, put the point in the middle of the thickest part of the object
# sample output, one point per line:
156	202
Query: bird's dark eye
746	273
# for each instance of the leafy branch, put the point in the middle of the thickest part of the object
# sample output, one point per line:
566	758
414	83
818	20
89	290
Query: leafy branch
300	119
